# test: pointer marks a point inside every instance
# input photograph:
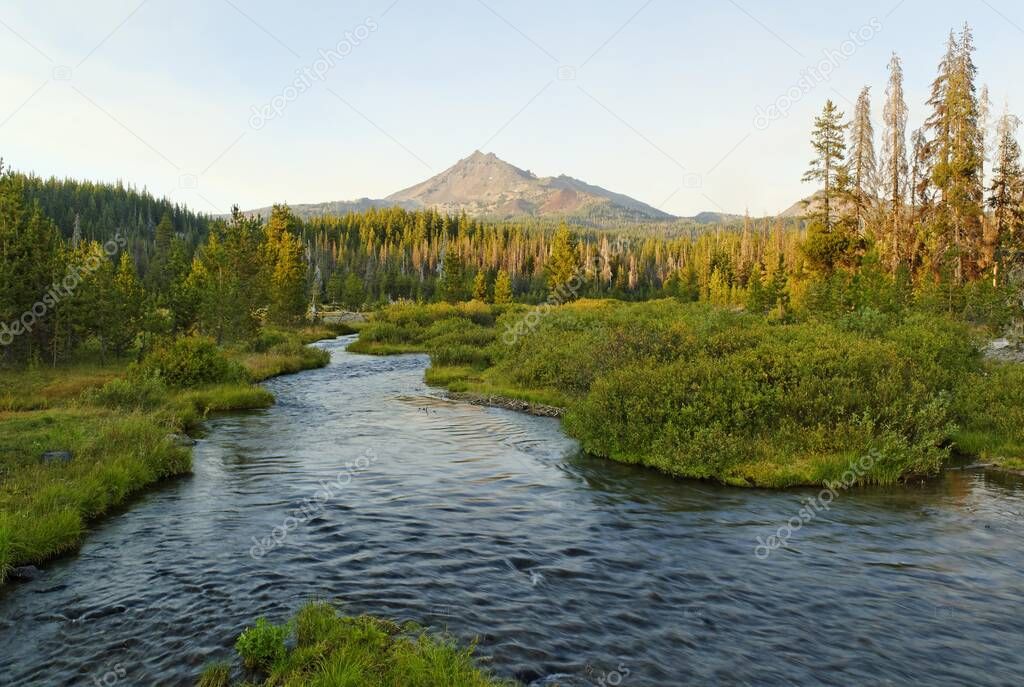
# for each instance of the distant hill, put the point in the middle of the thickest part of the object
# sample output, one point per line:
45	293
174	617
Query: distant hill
813	204
483	185
333	208
716	218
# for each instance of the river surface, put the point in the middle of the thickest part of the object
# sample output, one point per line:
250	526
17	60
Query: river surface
569	570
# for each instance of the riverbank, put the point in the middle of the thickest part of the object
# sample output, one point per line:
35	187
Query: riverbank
707	393
78	441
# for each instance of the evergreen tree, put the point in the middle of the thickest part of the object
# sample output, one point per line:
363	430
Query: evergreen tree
894	164
355	292
228	277
159	277
285	260
757	297
502	289
127	308
480	287
453	278
863	165
564	262
1006	199
287	305
957	160
828	167
30	262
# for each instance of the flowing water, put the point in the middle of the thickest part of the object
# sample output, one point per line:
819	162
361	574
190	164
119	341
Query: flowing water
568	569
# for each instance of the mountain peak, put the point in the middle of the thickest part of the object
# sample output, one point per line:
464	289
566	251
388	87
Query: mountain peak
485	185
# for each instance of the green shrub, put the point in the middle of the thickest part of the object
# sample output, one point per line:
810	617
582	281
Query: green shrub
358	651
139	392
262	645
189	362
990	410
267	339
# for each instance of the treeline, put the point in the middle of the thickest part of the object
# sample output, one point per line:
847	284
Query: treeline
61	296
942	205
94	211
386	254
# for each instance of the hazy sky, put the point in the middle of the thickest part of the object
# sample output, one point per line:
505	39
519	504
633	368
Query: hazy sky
657	99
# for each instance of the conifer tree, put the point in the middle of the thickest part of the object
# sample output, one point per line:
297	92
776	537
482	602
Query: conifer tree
828	167
863	165
1006	199
159	277
564	262
894	163
452	283
127	307
480	287
502	289
354	293
957	159
287	305
30	261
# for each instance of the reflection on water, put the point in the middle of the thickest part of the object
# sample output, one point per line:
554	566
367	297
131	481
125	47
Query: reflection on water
569	569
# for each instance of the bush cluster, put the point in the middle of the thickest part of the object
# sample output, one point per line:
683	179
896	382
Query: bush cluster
187	362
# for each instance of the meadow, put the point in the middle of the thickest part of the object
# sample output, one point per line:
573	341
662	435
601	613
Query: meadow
117	427
699	391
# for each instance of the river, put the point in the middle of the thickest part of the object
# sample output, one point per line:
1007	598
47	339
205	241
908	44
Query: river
568	569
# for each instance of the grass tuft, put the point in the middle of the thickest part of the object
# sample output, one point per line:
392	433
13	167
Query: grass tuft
338	651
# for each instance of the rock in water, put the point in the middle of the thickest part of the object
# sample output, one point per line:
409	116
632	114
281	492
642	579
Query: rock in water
24	572
182	440
57	457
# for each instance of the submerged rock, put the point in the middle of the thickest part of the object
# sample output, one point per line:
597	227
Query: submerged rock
537	409
182	440
24	572
56	457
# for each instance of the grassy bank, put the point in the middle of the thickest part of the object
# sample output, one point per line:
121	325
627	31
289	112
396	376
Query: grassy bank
708	393
118	422
330	649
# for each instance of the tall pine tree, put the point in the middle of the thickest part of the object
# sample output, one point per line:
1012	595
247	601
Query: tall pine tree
894	164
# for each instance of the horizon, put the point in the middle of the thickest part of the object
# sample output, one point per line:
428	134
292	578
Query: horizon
251	104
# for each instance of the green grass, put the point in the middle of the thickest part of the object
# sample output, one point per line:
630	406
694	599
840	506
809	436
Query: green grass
44	508
993	405
708	393
117	420
330	650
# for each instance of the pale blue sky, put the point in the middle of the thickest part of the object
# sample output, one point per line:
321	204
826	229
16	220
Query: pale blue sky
662	106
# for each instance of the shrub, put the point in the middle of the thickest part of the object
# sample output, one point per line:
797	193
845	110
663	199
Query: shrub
803	395
189	362
262	645
140	392
266	340
369	652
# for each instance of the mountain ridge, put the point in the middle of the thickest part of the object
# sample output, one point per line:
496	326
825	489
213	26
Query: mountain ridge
483	185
